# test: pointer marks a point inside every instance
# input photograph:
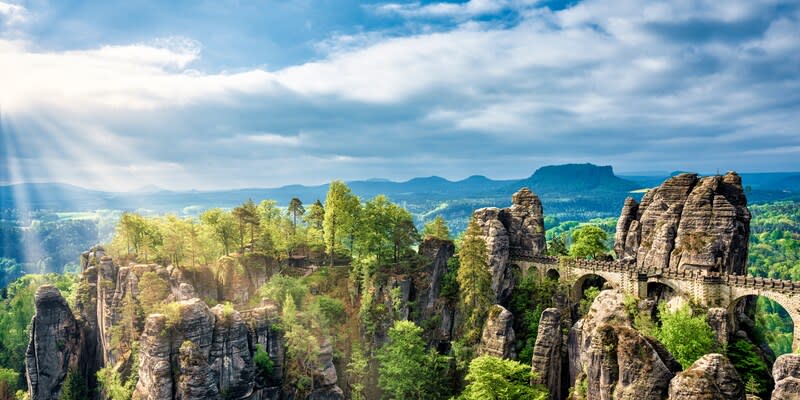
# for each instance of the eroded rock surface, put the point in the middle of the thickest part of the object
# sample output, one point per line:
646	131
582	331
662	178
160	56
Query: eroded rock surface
325	378
498	336
712	377
613	360
546	360
786	372
55	341
516	231
687	223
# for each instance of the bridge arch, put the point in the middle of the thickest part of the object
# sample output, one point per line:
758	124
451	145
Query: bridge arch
589	279
788	303
552	274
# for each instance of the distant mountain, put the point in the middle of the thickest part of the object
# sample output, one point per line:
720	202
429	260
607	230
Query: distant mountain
571	178
569	191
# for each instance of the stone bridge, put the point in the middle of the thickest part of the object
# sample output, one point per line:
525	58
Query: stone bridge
709	289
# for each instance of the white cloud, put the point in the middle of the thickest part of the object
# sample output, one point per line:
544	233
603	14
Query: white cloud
594	80
12	13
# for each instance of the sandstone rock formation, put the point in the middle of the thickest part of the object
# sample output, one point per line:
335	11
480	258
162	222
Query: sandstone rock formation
786	372
712	377
189	352
326	379
613	360
498	336
546	360
717	319
516	231
55	341
687	223
524	221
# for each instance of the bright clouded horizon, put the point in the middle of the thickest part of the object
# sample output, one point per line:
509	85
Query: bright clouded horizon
258	94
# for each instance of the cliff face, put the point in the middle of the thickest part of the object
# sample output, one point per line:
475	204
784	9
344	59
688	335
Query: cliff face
191	352
55	344
516	231
612	360
687	223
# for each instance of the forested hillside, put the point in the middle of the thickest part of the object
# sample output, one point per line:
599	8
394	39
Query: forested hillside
355	276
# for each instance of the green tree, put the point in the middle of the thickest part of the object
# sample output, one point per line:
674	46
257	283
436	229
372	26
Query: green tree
437	229
589	241
222	226
74	387
558	245
8	383
475	281
686	336
295	209
316	215
357	370
246	215
153	290
263	363
406	371
341	217
492	378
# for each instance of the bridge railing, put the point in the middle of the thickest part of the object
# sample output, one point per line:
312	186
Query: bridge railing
779	285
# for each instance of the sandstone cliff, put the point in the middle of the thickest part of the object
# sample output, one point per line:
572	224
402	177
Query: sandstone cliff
516	231
611	360
687	223
54	347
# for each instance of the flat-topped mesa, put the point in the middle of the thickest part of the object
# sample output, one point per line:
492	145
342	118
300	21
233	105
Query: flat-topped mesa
687	222
516	231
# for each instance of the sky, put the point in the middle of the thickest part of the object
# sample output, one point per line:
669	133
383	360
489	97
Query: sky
226	94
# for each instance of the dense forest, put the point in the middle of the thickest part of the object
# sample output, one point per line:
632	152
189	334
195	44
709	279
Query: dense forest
334	254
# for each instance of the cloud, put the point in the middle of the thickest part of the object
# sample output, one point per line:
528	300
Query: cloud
642	85
471	8
12	13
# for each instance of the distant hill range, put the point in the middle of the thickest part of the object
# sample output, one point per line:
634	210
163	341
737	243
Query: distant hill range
570	191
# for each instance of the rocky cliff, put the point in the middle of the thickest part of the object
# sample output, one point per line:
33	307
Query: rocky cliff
516	231
186	352
688	223
610	359
54	347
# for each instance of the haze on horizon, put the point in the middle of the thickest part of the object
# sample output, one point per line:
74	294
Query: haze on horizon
116	95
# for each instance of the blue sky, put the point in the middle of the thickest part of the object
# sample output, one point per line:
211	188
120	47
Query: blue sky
219	94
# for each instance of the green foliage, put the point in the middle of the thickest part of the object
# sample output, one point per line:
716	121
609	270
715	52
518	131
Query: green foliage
153	290
406	370
263	363
686	336
281	287
557	246
449	289
492	378
113	386
16	312
8	383
386	231
331	309
589	241
437	229
74	387
751	367
589	295
530	298
357	370
474	280
341	217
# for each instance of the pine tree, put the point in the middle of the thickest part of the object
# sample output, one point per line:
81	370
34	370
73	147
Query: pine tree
295	208
437	229
475	281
